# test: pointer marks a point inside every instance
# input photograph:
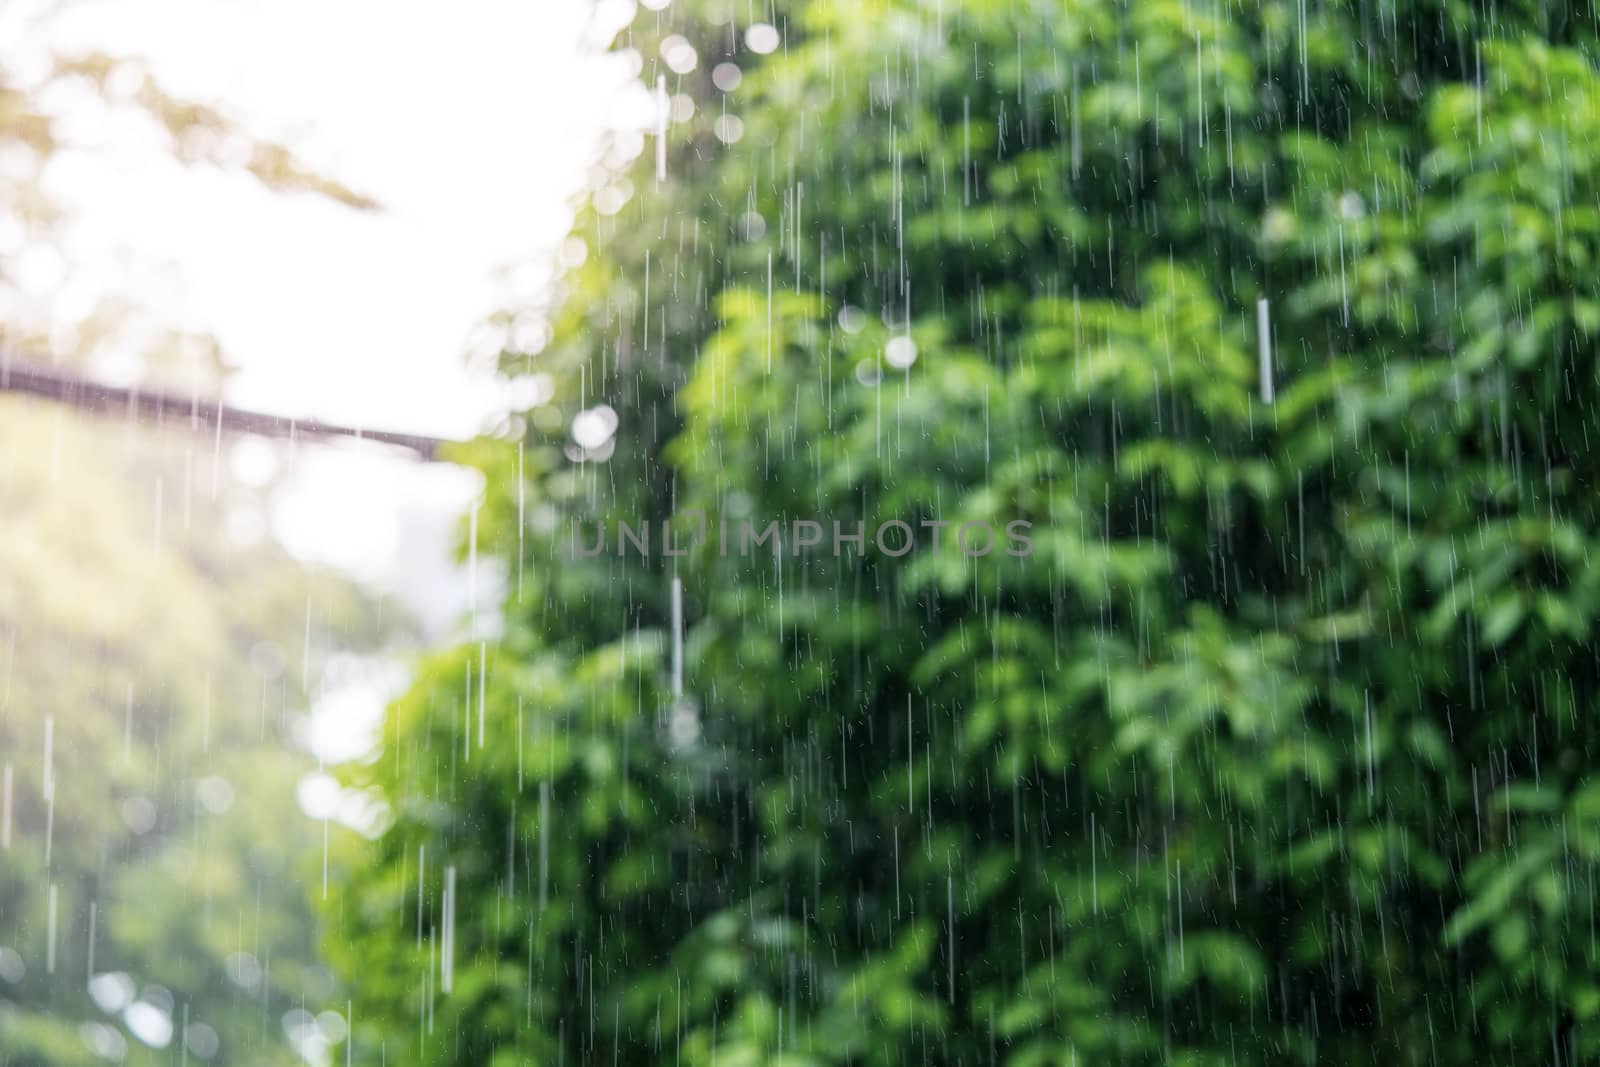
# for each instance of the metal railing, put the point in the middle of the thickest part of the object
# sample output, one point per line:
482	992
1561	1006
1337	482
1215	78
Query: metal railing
54	383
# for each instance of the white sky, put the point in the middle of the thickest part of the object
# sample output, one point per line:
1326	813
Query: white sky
472	123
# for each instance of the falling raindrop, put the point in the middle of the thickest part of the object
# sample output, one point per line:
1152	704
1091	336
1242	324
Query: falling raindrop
447	944
50	932
1264	349
663	116
761	38
679	55
900	353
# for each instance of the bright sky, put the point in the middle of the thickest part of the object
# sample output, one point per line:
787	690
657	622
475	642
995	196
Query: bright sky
473	124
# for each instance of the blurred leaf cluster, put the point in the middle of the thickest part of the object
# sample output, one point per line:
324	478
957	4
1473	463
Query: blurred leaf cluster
151	676
153	663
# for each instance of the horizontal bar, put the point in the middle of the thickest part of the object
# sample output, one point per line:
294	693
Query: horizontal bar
34	379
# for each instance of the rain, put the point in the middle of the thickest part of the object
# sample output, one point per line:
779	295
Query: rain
799	533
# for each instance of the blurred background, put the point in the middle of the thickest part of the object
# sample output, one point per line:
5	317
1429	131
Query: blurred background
299	208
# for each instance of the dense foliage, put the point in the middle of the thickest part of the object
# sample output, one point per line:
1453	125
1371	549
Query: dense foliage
1279	746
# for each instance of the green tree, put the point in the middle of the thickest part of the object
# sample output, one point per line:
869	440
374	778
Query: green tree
1279	745
150	676
151	668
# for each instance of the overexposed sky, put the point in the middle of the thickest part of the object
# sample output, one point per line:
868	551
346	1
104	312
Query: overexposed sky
473	124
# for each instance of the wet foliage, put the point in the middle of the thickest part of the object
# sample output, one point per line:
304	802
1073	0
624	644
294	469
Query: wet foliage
1275	321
